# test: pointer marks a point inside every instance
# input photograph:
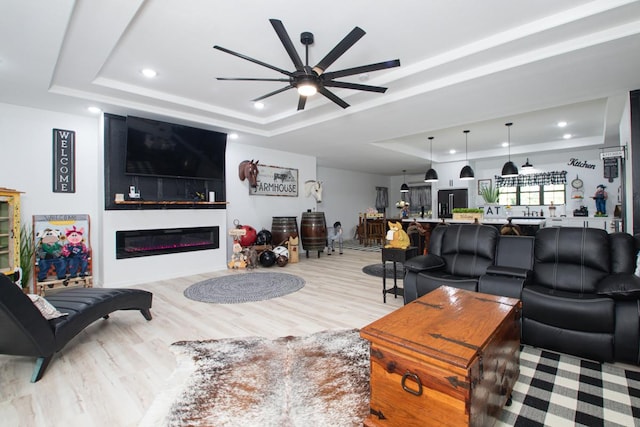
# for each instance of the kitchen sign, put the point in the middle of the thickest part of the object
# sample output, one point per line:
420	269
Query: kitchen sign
64	157
581	163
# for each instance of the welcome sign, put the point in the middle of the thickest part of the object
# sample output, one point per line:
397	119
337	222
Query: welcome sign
64	157
275	181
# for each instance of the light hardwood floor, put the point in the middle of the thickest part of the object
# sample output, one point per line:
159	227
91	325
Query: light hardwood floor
110	373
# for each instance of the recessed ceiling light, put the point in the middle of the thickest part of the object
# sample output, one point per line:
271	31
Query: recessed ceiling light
505	144
452	151
149	73
562	124
567	136
233	135
94	110
258	105
363	77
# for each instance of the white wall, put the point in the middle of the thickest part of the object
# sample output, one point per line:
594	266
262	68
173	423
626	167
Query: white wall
448	178
27	147
546	162
124	272
346	194
448	174
258	211
625	140
27	143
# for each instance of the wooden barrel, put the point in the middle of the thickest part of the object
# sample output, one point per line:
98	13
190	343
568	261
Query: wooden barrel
313	229
283	227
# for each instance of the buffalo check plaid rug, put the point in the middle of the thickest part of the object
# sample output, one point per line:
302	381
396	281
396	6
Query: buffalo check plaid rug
560	390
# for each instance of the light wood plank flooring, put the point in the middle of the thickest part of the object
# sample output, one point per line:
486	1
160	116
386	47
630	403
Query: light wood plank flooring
110	373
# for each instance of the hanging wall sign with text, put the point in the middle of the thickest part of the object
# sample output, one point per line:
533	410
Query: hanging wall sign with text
275	181
610	168
64	158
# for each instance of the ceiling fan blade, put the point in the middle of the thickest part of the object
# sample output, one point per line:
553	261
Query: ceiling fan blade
349	40
275	92
356	86
332	97
250	79
362	69
287	43
255	61
302	101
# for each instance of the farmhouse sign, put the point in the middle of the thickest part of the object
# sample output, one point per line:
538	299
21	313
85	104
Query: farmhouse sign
275	181
64	158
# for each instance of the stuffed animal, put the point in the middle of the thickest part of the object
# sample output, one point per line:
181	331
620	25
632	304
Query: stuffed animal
49	253
397	237
76	252
238	259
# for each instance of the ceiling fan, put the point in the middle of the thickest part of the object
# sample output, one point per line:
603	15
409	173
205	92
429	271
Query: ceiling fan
309	80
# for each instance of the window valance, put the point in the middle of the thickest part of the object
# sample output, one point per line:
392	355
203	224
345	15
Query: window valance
543	178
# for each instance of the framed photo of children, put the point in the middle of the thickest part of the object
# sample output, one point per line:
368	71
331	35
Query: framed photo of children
62	249
482	184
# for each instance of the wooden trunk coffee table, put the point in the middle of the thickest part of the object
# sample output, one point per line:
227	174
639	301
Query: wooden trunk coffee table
448	358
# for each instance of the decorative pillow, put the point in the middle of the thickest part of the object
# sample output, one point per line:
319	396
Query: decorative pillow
48	311
620	286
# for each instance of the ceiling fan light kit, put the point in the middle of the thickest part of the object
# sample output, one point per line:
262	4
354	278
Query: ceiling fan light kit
509	168
310	80
307	89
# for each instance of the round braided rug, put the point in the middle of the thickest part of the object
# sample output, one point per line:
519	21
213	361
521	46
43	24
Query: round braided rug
247	287
378	271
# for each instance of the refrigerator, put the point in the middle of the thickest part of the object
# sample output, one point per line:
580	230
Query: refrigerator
450	199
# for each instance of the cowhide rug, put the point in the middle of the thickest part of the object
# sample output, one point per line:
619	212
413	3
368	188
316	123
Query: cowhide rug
316	380
323	380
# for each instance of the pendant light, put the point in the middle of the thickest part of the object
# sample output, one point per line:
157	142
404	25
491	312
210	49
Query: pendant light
466	173
527	165
509	168
431	175
404	188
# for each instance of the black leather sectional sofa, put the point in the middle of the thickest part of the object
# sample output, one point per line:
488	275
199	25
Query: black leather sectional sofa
578	289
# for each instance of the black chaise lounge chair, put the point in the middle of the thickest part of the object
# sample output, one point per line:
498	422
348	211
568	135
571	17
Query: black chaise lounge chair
25	332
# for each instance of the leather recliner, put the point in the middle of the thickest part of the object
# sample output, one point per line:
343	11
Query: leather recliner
578	289
458	255
573	304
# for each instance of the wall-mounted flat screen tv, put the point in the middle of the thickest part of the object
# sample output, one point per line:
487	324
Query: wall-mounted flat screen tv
161	149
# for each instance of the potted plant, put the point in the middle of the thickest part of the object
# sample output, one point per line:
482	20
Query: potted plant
468	213
490	194
27	251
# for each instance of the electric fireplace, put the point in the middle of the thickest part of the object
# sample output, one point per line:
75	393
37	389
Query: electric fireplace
138	243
